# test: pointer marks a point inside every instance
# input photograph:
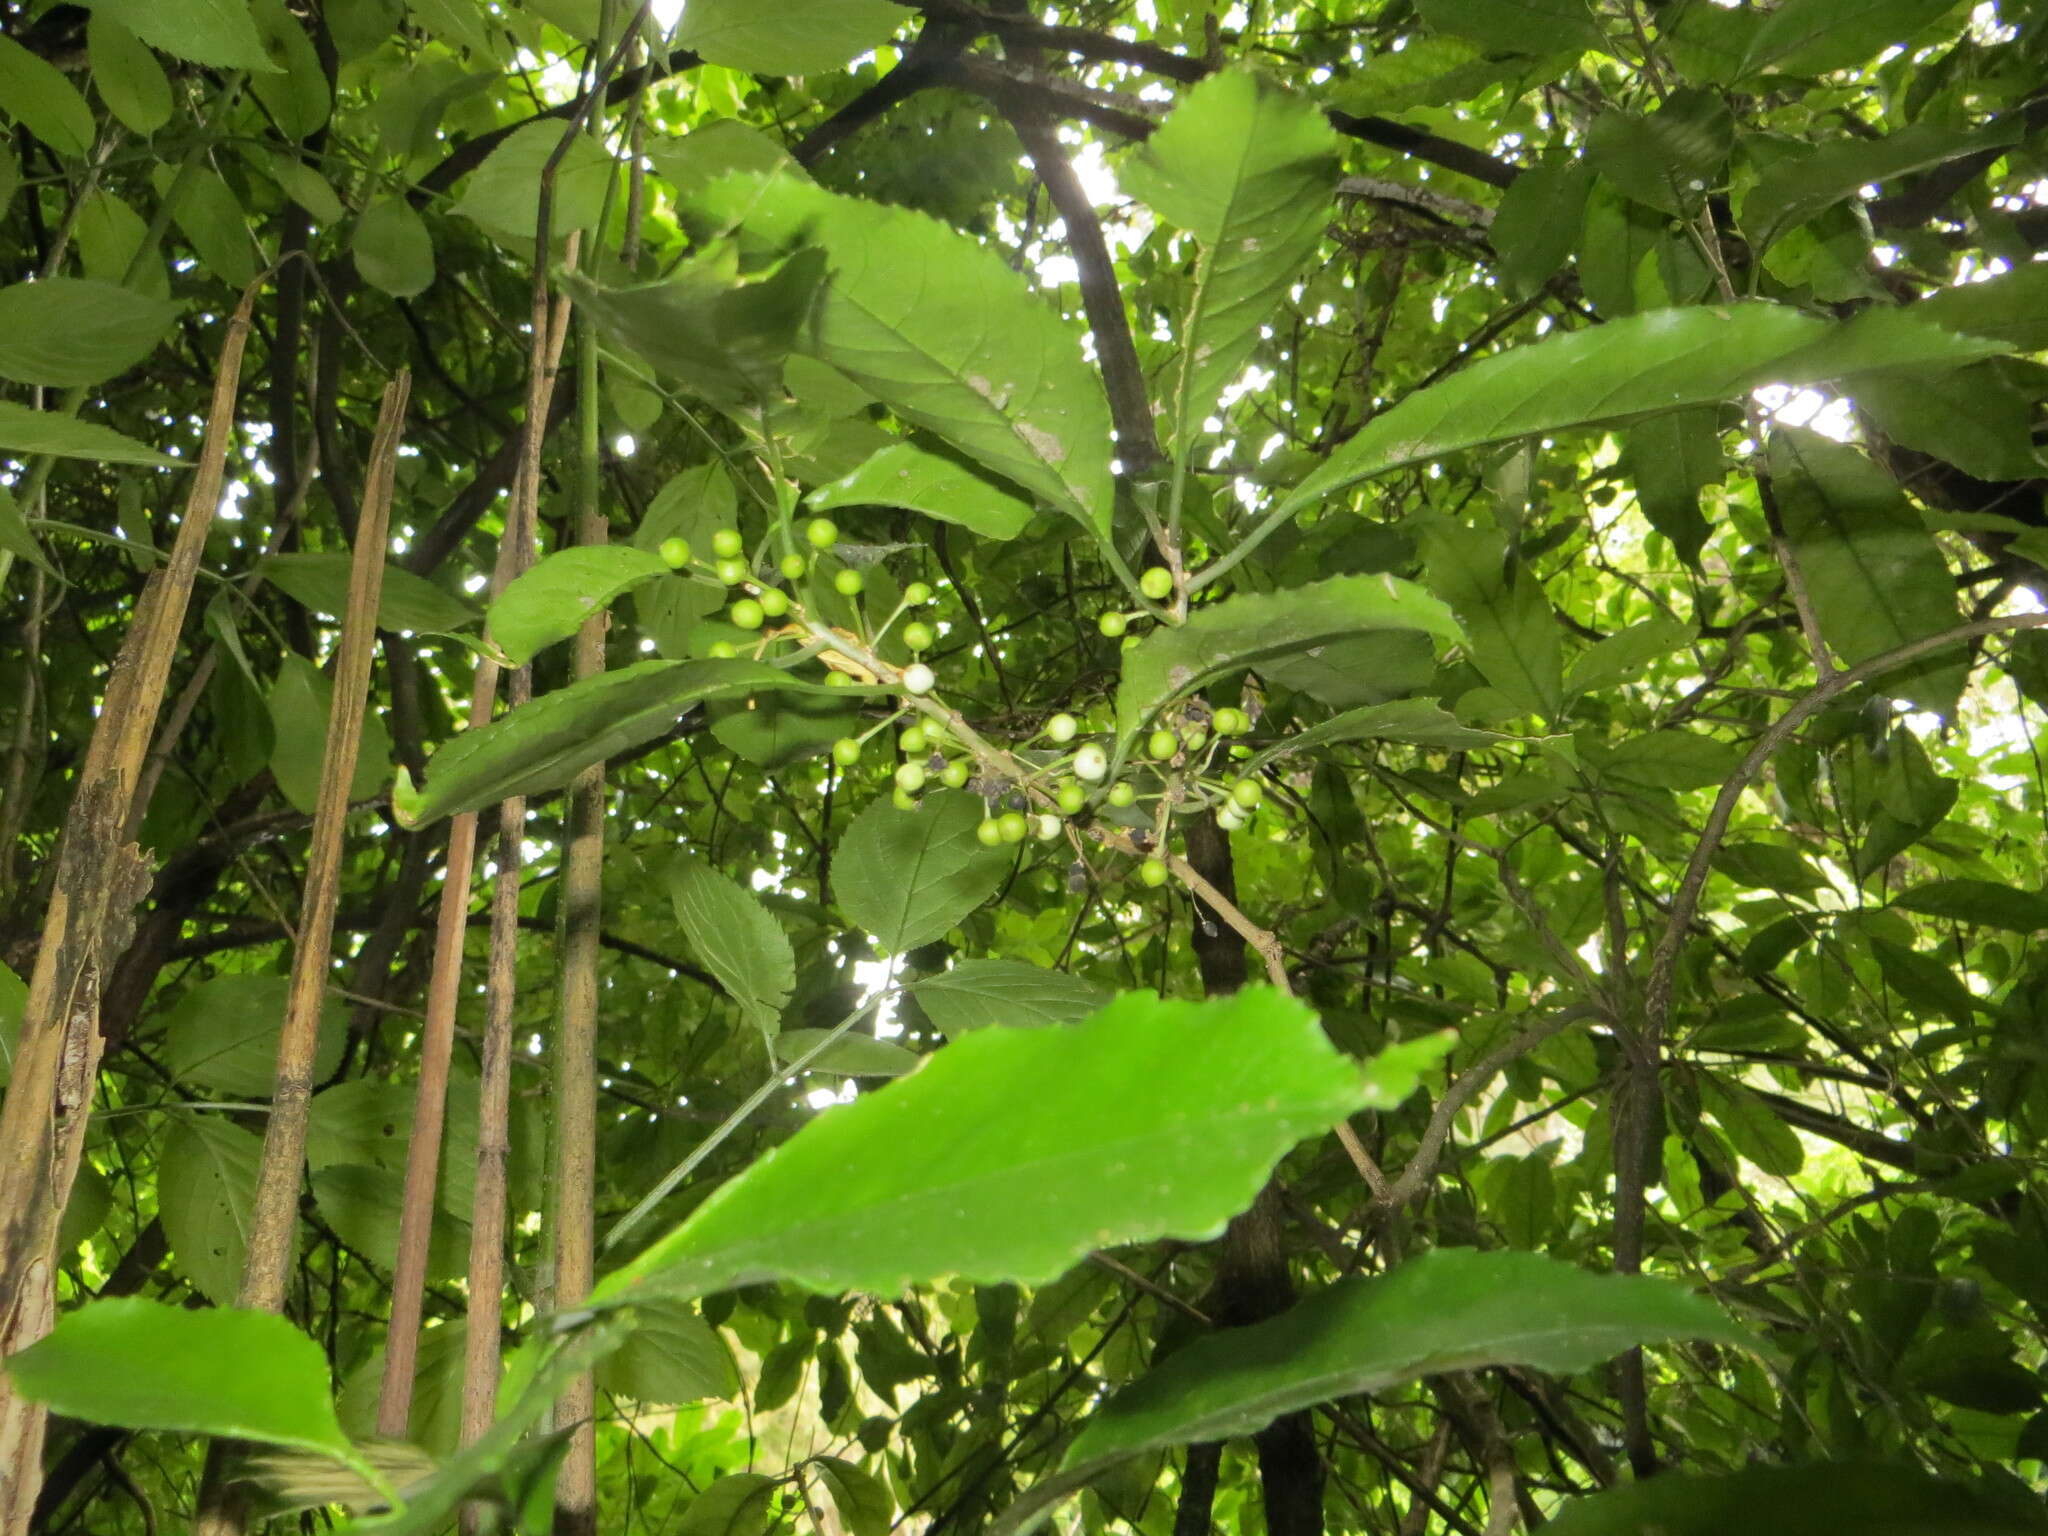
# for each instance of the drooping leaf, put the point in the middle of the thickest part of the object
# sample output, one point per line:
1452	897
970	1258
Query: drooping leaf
1981	902
222	1035
1874	573
907	475
406	601
551	601
1670	458
1810	37
980	994
210	217
503	194
853	1054
1882	1499
1450	1309
15	537
908	876
672	1356
300	701
862	1499
141	1364
1974	418
1752	1129
1511	634
218	33
737	939
206	1191
797	37
542	745
127	75
1537	222
1517	26
1419	722
35	94
296	95
936	327
1254	627
393	249
1246	167
1014	1151
1795	188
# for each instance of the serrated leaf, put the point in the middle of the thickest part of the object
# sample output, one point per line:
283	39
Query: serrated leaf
1511	634
393	249
980	994
1811	37
908	876
206	1192
1447	1310
405	601
25	431
1873	1497
1254	627
1013	1152
795	37
550	601
35	94
1981	902
1669	159
736	938
543	744
1875	575
1794	189
222	1035
939	329
907	475
503	194
852	1055
219	33
127	75
141	1364
1247	168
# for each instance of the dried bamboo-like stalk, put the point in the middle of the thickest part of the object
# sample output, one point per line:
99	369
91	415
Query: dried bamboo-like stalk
273	1219
101	876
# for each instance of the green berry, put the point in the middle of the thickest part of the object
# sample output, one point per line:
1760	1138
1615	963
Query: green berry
1012	827
917	594
727	544
918	637
989	833
731	571
1157	583
1061	728
1230	818
1194	738
793	567
846	751
913	739
1072	797
1153	872
1231	722
747	613
1127	643
774	602
955	775
1091	763
675	553
722	650
918	678
1121	795
838	680
1113	625
1248	793
848	582
1161	745
903	800
910	778
822	532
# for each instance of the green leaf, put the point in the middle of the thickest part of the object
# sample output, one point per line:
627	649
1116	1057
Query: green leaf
737	1504
795	37
1925	982
306	187
1870	1497
1396	1072
692	506
1795	188
1767	866
1874	573
863	1501
672	1356
141	1364
300	701
1448	1310
1419	722
908	876
219	33
210	217
1666	760
2011	307
1626	370
503	194
980	994
737	939
127	75
1511	634
1012	1152
1247	168
206	1191
223	1033
551	601
852	1055
364	1206
1671	458
777	729
1811	37
392	248
906	474
1254	627
1981	903
1537	223
543	744
64	331
1517	26
1669	159
35	94
15	537
714	149
1974	418
405	603
940	330
1623	656
13	1000
297	98
1752	1128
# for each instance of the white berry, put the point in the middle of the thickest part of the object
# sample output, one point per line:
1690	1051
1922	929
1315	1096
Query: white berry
918	678
1091	763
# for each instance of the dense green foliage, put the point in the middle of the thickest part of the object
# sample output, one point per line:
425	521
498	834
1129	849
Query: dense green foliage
1404	635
